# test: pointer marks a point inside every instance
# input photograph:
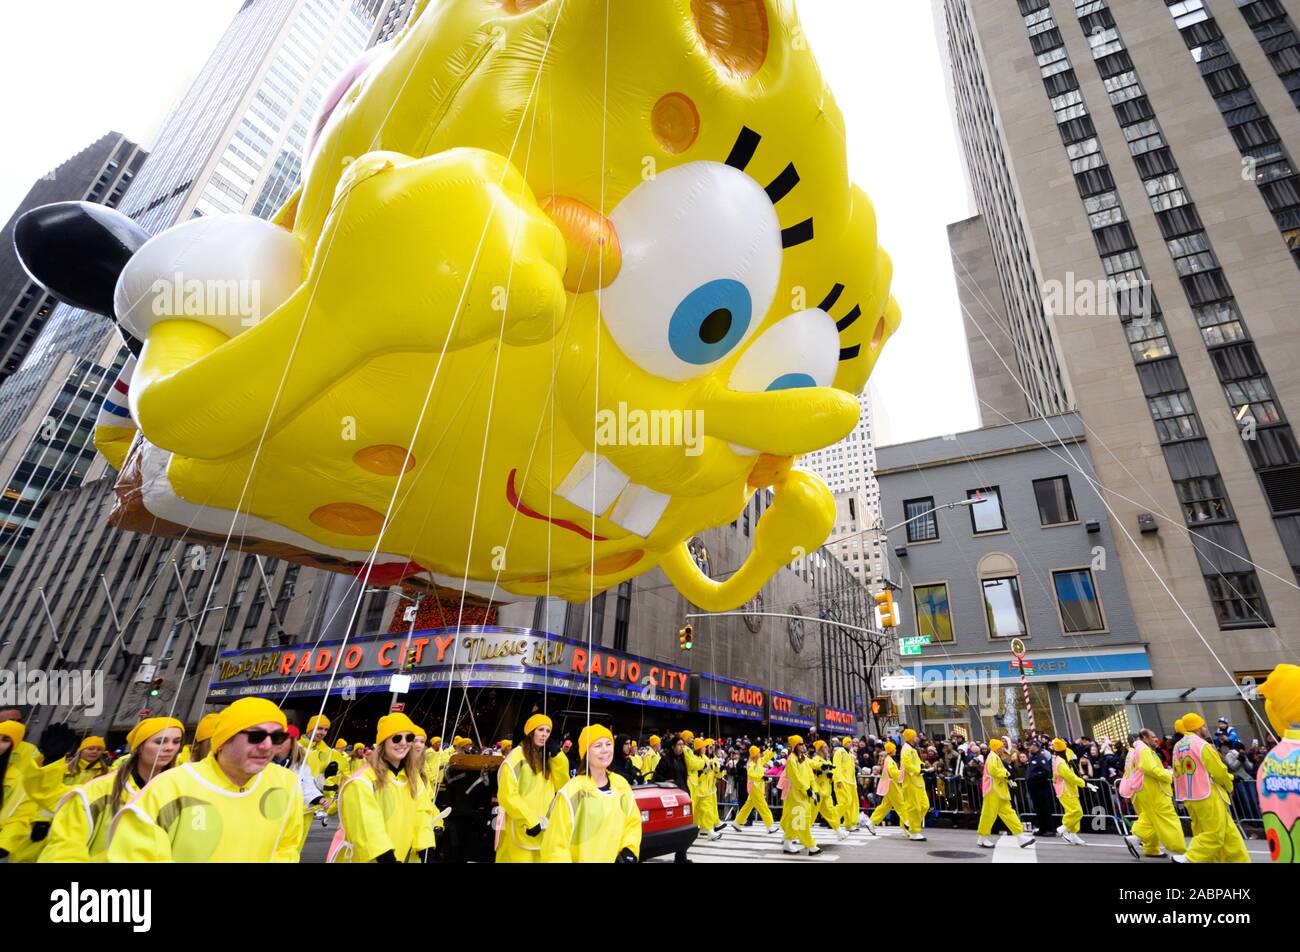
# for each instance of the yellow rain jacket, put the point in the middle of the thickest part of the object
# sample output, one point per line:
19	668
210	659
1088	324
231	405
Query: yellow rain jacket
79	772
79	833
915	800
846	785
196	814
17	812
525	797
827	806
997	800
1157	823
756	780
590	825
378	819
1215	836
1070	783
798	812
648	762
893	797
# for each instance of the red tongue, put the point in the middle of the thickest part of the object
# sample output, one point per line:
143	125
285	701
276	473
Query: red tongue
390	573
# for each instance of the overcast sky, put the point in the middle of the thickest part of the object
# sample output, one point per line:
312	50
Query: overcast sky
75	69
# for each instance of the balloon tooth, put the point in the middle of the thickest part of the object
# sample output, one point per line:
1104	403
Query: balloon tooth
639	509
593	484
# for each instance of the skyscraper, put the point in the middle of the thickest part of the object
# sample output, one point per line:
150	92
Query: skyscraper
1131	161
102	172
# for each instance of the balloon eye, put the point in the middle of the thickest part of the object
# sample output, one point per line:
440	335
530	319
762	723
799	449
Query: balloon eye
710	321
792	382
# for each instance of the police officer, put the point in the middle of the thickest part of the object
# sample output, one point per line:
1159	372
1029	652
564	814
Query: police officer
1038	776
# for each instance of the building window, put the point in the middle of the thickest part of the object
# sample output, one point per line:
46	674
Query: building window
1175	416
986	513
1203	499
925	528
933	617
1076	595
1237	599
1002	605
1055	501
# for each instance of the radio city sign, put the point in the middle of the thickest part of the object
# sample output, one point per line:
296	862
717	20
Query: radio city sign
834	719
474	656
792	711
731	698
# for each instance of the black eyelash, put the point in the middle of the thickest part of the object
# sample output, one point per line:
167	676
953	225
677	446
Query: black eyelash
742	150
797	234
831	297
828	302
780	186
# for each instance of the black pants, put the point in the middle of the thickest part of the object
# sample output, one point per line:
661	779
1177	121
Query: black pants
1040	792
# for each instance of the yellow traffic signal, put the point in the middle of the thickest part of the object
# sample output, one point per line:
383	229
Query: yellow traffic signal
888	610
686	637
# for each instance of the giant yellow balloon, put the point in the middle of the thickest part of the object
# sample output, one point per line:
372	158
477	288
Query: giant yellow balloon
565	282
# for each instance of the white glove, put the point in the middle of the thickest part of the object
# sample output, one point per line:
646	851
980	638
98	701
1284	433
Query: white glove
542	823
446	813
1092	787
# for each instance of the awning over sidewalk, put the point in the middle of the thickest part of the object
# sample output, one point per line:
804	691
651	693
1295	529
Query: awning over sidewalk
1164	696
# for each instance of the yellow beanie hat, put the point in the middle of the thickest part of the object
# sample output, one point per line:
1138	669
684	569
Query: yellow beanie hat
1180	727
391	724
909	735
245	713
207	724
505	745
820	745
995	744
536	721
753	751
421	732
700	744
592	733
358	746
1193	722
1058	745
890	747
435	740
794	740
14	730
461	742
687	736
92	741
340	744
320	720
146	729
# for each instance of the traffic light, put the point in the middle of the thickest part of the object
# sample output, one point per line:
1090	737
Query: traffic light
155	687
686	637
888	610
410	659
882	706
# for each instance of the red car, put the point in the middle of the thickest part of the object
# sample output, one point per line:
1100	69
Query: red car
667	824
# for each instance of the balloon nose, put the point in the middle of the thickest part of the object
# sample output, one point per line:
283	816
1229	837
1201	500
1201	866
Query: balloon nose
590	242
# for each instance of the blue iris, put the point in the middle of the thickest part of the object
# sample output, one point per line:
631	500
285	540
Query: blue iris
792	382
710	321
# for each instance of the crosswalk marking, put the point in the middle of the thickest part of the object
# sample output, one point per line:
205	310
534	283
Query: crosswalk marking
1009	850
755	845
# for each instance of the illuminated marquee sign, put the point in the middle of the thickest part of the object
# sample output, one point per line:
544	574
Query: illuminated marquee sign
833	720
479	656
791	711
730	698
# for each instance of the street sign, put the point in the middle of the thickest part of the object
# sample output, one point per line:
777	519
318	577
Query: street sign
410	613
898	682
400	683
914	641
1017	647
910	649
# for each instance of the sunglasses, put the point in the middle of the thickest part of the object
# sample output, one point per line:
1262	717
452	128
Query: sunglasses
400	738
256	737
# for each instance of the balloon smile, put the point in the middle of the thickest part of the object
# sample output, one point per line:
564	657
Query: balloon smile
512	497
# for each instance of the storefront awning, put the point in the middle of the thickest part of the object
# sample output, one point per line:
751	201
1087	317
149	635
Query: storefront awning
1164	696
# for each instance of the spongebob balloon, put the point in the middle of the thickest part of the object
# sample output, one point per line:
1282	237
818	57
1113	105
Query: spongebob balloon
1278	779
566	281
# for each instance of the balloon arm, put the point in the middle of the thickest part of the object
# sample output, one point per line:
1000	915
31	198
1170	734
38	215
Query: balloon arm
711	595
795	524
